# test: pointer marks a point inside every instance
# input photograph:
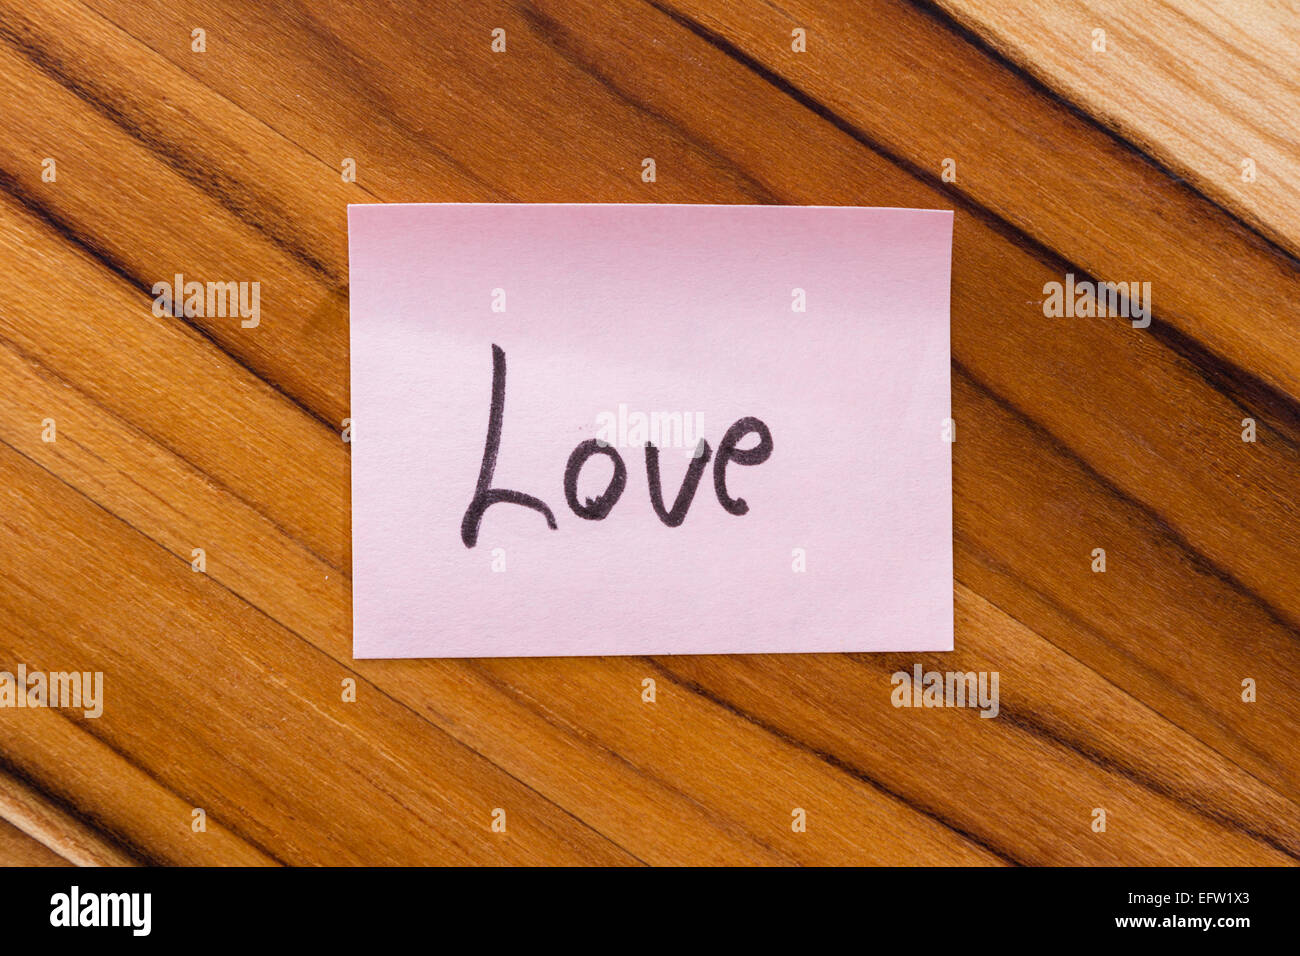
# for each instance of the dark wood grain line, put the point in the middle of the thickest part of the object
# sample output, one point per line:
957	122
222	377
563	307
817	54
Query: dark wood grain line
228	191
215	482
1084	627
949	24
1032	726
559	39
833	760
1250	394
354	70
119	841
235	831
372	91
106	260
522	700
964	541
1049	256
1197	558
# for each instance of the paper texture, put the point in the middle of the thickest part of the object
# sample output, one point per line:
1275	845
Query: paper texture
632	323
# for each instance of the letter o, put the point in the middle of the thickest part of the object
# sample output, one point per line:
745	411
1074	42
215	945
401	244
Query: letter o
602	504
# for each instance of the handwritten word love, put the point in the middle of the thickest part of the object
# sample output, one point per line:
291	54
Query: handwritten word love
596	509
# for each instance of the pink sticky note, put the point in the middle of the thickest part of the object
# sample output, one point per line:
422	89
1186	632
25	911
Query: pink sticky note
615	325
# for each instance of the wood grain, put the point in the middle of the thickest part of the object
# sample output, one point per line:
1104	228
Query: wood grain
1119	690
18	849
1199	85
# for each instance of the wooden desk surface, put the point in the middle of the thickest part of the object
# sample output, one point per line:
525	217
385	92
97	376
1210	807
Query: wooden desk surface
1120	691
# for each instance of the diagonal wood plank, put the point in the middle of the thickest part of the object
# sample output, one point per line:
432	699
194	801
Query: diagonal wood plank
240	203
1146	624
1057	718
1201	85
99	808
19	849
52	826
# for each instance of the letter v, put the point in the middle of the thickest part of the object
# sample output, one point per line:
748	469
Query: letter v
686	494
